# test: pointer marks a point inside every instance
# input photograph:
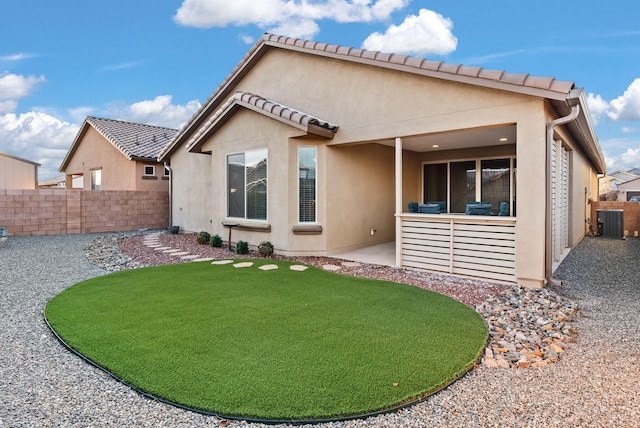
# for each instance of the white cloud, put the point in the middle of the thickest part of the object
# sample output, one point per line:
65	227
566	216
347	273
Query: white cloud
246	39
627	106
301	29
38	137
294	18
16	57
424	34
15	86
159	111
597	107
630	159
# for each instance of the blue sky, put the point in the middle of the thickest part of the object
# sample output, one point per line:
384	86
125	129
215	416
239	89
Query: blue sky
156	61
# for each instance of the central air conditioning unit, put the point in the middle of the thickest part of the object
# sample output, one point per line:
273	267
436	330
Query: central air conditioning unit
611	223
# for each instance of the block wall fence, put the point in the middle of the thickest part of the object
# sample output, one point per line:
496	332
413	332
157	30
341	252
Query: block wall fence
631	214
65	211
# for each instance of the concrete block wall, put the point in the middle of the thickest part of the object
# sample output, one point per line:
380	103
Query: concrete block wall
66	211
631	214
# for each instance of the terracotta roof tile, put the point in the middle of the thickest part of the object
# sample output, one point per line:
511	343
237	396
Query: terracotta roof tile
519	79
294	117
514	78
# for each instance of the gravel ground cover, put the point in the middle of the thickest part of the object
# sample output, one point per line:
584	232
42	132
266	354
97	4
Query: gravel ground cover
594	384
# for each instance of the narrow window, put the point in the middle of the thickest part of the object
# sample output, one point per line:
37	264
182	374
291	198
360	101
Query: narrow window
463	185
435	183
496	182
149	170
96	179
166	171
307	162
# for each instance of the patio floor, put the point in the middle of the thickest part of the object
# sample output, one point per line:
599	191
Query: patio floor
381	254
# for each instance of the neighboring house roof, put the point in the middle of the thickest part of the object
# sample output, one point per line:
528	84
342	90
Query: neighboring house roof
6	155
623	175
58	181
272	109
136	141
630	185
561	94
634	171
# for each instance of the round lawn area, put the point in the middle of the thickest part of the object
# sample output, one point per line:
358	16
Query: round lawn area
272	345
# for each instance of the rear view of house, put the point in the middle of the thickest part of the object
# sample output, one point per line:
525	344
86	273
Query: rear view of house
322	149
115	155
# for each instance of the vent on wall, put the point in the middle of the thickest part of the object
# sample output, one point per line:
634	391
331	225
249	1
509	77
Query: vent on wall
611	223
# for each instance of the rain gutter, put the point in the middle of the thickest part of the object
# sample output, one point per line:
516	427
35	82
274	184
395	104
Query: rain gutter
548	257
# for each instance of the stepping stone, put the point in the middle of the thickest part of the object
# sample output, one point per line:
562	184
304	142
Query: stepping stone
221	262
268	267
190	257
153	245
298	268
243	264
179	253
351	264
204	259
171	250
331	268
162	248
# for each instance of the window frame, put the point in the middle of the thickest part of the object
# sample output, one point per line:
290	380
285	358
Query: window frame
93	173
478	178
315	186
245	205
153	171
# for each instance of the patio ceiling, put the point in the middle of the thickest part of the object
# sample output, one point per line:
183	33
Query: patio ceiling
461	139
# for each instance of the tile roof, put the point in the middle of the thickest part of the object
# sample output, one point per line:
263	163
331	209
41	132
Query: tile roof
134	140
437	68
282	113
546	87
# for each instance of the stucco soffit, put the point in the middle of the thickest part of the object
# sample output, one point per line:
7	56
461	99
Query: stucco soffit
292	117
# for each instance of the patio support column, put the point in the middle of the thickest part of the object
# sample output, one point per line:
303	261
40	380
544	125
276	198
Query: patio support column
398	201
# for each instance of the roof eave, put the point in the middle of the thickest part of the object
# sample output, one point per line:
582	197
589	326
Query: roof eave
74	146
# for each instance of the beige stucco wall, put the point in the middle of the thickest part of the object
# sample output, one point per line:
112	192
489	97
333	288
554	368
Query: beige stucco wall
356	175
118	172
360	196
17	174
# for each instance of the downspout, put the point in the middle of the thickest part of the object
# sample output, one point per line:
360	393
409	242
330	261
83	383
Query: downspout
166	165
548	257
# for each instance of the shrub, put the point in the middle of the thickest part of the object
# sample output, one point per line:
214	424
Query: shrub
203	237
216	241
265	249
242	247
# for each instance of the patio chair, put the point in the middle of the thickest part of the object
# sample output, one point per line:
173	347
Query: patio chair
478	208
429	208
442	206
504	209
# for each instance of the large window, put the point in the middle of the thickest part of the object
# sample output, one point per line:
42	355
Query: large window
247	185
458	183
307	161
96	179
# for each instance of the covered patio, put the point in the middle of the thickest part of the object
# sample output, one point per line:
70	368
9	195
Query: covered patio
446	232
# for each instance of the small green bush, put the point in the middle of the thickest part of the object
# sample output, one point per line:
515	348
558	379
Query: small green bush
265	249
216	241
203	237
242	247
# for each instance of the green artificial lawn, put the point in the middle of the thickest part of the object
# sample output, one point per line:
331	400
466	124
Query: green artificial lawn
273	345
